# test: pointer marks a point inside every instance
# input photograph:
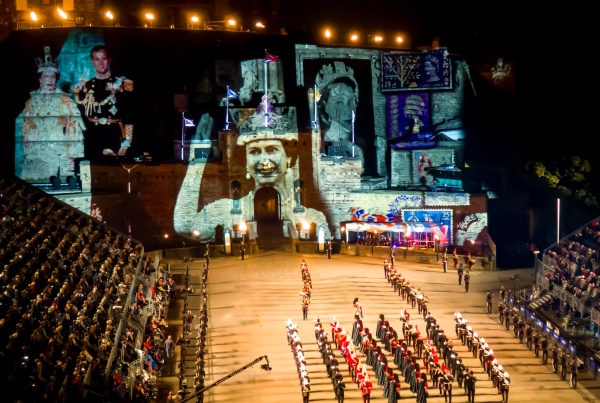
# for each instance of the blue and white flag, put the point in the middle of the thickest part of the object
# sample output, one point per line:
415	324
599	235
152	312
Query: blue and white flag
188	122
231	94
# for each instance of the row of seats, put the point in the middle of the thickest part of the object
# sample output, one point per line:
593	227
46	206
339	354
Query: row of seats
65	280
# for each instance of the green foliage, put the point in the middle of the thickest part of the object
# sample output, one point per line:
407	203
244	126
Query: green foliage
591	201
562	177
551	180
563	191
537	168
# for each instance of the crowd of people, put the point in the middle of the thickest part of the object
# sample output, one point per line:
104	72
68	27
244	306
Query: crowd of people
68	327
480	348
574	267
373	239
294	338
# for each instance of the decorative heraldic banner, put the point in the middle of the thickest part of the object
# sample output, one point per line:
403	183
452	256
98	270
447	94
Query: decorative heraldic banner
416	70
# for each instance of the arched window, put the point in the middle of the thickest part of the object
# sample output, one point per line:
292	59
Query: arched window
298	188
236	193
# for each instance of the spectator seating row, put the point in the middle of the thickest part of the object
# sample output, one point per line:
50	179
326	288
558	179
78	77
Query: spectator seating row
68	283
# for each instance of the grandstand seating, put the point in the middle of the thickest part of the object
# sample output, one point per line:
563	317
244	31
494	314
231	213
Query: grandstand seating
70	329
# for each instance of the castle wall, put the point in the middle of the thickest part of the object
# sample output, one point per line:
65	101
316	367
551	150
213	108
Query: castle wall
213	193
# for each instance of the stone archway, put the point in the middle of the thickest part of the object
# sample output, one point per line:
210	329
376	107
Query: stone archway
267	204
267	214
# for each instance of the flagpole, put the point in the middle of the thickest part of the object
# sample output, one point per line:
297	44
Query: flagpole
316	116
266	123
558	221
353	118
182	132
227	109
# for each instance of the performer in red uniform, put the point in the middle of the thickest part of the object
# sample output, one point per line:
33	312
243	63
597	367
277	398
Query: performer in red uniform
366	387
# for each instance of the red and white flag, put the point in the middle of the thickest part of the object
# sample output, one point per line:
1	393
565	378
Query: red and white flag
271	58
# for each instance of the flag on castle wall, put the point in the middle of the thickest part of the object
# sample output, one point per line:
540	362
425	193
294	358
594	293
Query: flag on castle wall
271	58
231	94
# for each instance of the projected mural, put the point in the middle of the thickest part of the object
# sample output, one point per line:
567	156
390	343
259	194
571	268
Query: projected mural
416	70
425	160
408	121
472	227
344	108
117	106
308	135
431	224
268	188
49	130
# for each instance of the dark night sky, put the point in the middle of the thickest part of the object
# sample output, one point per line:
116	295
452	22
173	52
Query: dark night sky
543	43
455	23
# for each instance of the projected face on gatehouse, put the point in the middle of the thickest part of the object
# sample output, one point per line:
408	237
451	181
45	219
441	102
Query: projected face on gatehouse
266	161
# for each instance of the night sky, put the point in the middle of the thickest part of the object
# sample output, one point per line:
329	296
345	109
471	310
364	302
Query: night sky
456	24
552	99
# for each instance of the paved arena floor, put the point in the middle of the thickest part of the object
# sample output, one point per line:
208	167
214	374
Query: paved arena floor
249	302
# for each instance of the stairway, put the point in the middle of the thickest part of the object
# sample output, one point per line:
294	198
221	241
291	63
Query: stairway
270	236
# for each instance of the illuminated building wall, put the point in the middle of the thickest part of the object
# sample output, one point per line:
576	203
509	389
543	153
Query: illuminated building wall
326	107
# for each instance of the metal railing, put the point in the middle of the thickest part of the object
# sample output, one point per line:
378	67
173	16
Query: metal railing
560	293
549	264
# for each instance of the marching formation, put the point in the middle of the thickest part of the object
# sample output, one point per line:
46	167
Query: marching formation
374	350
480	349
293	339
306	288
441	362
424	362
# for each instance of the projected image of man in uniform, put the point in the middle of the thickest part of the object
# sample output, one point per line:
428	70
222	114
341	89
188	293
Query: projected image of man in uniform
105	101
